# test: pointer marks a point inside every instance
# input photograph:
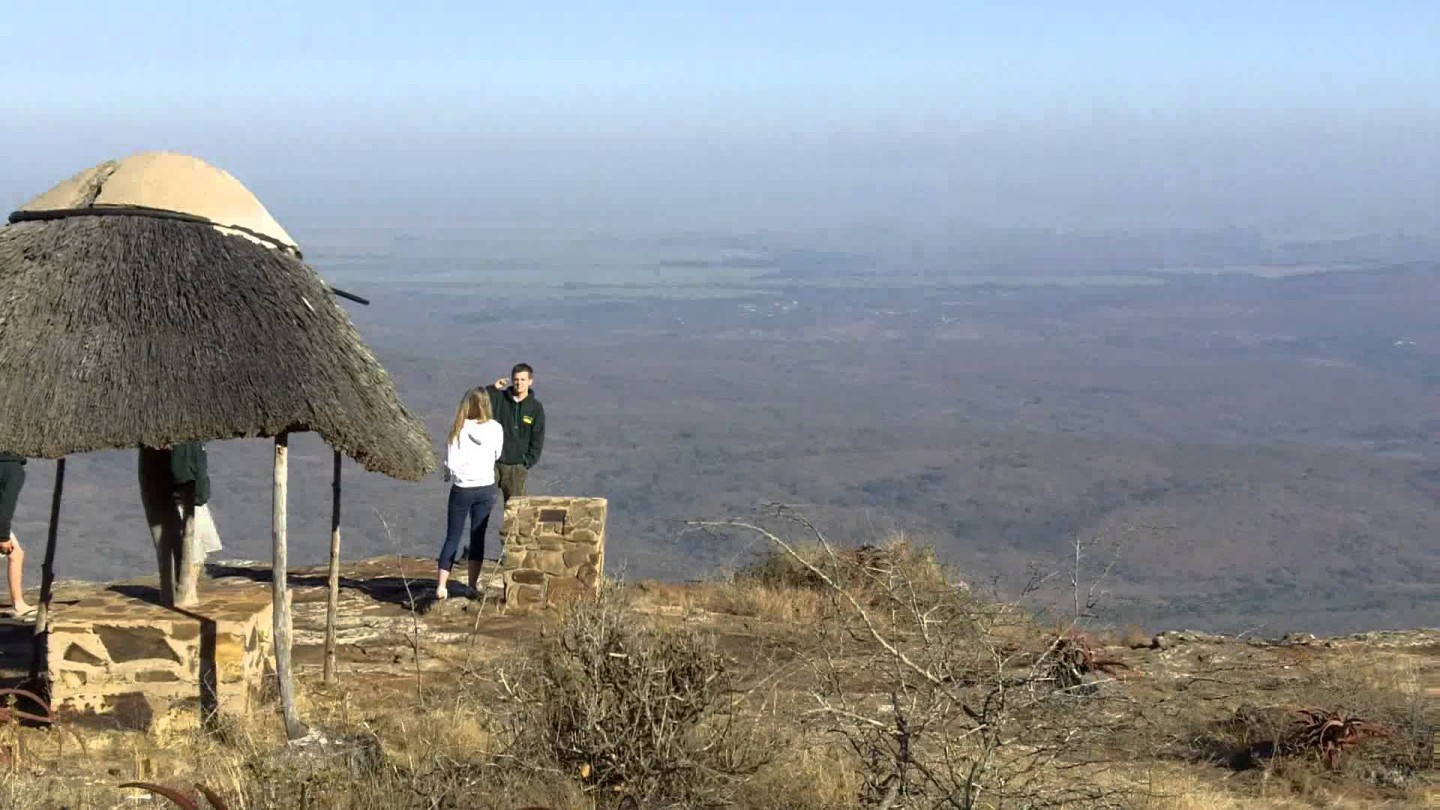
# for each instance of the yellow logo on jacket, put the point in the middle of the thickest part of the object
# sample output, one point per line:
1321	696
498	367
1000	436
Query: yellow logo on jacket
529	420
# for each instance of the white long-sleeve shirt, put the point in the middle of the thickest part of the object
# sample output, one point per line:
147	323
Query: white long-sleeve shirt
471	457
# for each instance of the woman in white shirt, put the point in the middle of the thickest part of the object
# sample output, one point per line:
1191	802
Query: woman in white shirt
474	447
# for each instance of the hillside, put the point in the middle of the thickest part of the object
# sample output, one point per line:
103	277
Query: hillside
897	687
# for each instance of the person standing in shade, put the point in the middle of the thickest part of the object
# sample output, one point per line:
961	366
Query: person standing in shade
175	486
522	417
472	450
190	474
12	480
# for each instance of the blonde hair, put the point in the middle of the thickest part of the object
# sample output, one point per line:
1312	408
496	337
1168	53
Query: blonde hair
474	405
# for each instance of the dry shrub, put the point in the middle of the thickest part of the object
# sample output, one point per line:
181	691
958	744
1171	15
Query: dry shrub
902	586
746	599
782	605
22	791
873	569
803	777
637	709
927	689
456	728
1170	786
435	756
775	568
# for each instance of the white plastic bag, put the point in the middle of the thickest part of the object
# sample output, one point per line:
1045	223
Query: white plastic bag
207	537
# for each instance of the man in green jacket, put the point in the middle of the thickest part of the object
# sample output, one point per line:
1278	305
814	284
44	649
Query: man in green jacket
522	418
175	488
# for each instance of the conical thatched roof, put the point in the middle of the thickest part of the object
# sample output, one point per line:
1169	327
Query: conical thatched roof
154	300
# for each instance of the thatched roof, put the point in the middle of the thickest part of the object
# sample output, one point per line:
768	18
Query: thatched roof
154	300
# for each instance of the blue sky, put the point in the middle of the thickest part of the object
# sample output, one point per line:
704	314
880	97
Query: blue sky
689	57
307	91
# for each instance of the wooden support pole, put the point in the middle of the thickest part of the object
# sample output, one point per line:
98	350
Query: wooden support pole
332	605
47	574
279	572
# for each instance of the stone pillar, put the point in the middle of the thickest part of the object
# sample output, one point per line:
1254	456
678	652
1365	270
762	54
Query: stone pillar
554	548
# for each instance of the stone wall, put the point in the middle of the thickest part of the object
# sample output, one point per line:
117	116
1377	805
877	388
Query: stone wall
117	657
554	548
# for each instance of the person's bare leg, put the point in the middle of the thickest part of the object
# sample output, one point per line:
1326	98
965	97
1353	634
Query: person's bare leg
15	572
186	573
442	576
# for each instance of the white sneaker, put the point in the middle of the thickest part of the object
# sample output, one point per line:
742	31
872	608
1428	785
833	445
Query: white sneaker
442	593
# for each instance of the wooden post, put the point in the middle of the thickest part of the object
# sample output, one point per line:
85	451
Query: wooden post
332	606
47	574
279	572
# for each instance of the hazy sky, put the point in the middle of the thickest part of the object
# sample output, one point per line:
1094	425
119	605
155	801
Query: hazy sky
1115	114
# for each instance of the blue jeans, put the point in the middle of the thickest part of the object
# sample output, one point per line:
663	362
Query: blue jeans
475	502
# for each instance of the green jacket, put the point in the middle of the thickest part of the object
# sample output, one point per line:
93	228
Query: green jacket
189	464
524	426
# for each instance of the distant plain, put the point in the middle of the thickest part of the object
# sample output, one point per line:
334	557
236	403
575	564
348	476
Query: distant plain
1241	429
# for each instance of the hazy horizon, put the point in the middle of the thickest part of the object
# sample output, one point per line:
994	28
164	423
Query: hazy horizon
1310	119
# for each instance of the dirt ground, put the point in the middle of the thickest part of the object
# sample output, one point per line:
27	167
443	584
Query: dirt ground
427	683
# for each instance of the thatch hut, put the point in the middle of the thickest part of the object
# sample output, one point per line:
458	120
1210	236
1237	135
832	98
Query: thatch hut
153	300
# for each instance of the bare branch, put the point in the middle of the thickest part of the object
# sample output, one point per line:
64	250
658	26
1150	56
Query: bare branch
829	582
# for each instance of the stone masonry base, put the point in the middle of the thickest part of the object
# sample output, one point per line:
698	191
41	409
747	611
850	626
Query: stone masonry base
554	548
116	657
